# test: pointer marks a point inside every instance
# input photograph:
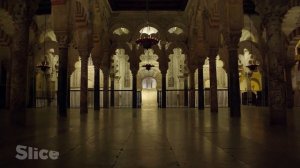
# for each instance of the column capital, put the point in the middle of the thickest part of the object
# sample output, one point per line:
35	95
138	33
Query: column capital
201	61
234	40
62	39
84	52
213	52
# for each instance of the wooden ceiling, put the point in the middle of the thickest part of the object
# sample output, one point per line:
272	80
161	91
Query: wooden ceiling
154	5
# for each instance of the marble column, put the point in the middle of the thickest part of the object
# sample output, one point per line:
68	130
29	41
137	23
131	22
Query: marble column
164	90
8	81
19	62
213	80
234	80
200	87
105	88
277	86
84	81
289	88
112	90
31	83
2	85
69	92
186	91
134	89
192	88
97	88
62	94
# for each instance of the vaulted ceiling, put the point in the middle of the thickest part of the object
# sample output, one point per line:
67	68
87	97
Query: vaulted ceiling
154	5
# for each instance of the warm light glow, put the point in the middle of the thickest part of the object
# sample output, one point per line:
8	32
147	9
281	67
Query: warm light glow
148	30
175	30
121	31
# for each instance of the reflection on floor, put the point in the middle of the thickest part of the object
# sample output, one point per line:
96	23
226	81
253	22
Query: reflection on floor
149	98
155	138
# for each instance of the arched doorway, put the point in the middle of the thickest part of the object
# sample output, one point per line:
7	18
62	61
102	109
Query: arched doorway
149	92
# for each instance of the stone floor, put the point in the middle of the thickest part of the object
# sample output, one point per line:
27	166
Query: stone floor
155	138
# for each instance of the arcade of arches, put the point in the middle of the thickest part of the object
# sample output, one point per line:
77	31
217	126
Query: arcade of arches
67	55
105	68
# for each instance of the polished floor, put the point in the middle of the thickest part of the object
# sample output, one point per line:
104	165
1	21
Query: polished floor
155	138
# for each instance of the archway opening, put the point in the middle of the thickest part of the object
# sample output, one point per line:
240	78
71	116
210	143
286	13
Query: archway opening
149	92
149	83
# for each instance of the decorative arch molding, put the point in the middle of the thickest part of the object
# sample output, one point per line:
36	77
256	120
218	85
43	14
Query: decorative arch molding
293	37
124	46
174	45
80	15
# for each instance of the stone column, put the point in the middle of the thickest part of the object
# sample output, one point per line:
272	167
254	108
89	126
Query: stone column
186	91
213	80
163	89
112	90
69	91
8	81
264	88
84	81
234	80
105	87
62	94
200	87
134	89
2	85
289	88
277	86
97	88
32	83
192	88
22	18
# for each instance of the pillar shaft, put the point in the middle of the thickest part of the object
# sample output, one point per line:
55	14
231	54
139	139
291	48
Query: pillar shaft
134	90
289	89
213	81
234	81
84	82
62	95
97	89
19	65
69	91
277	87
105	90
192	89
164	90
32	85
186	91
8	81
112	91
200	88
3	78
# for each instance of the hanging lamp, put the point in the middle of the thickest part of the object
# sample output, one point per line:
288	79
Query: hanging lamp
146	40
